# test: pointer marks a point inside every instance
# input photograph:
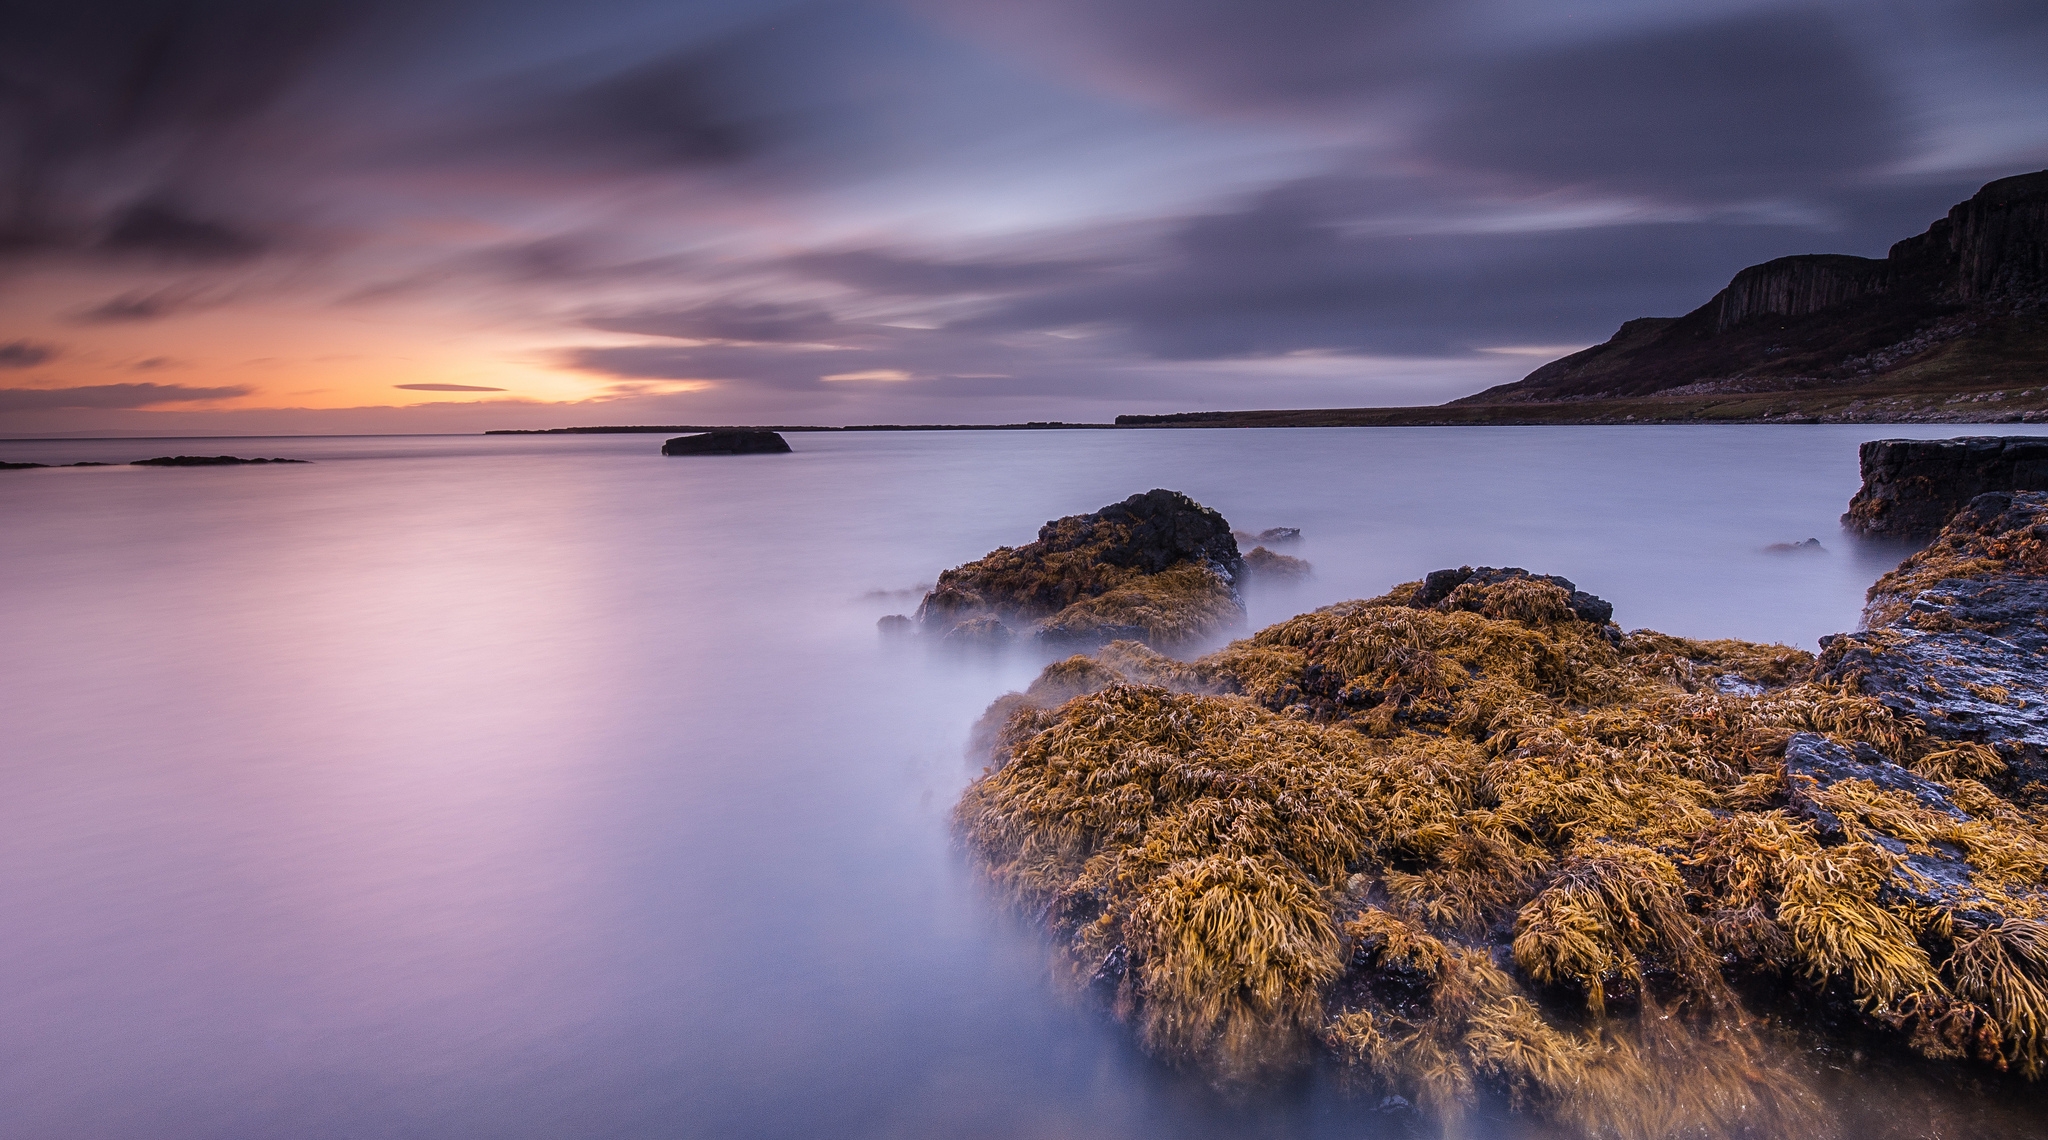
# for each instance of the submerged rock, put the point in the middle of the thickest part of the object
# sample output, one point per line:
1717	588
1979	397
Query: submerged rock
198	461
895	625
1262	565
1271	536
727	443
1810	546
1157	567
1468	835
1911	487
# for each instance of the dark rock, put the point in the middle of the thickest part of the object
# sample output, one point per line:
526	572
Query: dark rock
895	625
1958	635
1157	567
1810	546
1271	536
1438	585
1812	762
1912	487
727	443
202	461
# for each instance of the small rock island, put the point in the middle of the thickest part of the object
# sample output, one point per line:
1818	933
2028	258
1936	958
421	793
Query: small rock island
1157	568
1469	837
727	443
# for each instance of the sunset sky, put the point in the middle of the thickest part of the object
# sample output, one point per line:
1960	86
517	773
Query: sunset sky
248	216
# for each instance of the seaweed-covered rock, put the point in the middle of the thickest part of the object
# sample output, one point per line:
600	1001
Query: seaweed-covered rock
1467	835
1912	487
1957	638
1157	567
1262	565
727	443
1440	590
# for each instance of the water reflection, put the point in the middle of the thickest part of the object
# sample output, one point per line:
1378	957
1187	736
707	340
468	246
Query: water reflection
522	786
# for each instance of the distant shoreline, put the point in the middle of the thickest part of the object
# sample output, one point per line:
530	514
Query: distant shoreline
1810	407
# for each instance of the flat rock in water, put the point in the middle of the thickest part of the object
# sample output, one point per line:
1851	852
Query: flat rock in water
727	443
203	461
1912	487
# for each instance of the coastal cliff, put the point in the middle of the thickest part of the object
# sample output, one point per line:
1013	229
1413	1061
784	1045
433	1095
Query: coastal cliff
1965	296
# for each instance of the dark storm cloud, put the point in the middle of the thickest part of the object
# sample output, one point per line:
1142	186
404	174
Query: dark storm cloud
1772	103
25	353
110	396
99	95
164	229
1279	55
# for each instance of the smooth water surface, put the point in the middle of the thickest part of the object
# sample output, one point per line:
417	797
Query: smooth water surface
546	787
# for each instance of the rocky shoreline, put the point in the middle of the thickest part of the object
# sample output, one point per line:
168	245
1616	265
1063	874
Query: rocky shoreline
1472	837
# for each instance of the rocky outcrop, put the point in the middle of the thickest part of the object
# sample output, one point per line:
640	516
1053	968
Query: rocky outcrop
1911	487
1157	567
1272	568
1957	638
727	443
1958	306
1468	835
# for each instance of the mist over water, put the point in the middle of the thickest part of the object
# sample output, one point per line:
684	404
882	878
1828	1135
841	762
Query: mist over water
545	787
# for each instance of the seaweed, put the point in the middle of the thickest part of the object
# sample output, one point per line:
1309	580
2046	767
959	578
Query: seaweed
1463	837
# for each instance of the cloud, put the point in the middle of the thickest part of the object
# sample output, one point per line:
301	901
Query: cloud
1766	103
151	304
111	396
883	272
167	230
446	388
760	323
25	353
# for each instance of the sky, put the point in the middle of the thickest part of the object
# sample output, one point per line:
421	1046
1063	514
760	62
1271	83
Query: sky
311	216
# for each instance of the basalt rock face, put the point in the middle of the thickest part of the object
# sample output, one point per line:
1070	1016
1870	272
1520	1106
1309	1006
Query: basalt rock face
727	443
1966	296
1157	567
1912	487
1467	835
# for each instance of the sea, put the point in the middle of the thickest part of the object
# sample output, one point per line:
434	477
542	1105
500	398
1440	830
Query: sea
543	786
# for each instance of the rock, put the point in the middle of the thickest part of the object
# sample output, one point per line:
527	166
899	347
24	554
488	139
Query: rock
200	461
1810	546
727	443
1157	567
1262	565
1957	636
1440	586
1911	487
895	625
986	630
1271	536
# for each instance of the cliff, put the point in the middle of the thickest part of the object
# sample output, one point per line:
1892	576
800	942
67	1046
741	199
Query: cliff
1959	305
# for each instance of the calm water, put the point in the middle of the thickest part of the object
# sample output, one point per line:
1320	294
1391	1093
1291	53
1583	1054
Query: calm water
546	787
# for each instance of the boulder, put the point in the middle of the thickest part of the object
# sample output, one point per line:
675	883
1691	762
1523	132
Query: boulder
1439	590
727	443
1911	487
1810	546
1262	565
1157	567
895	625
